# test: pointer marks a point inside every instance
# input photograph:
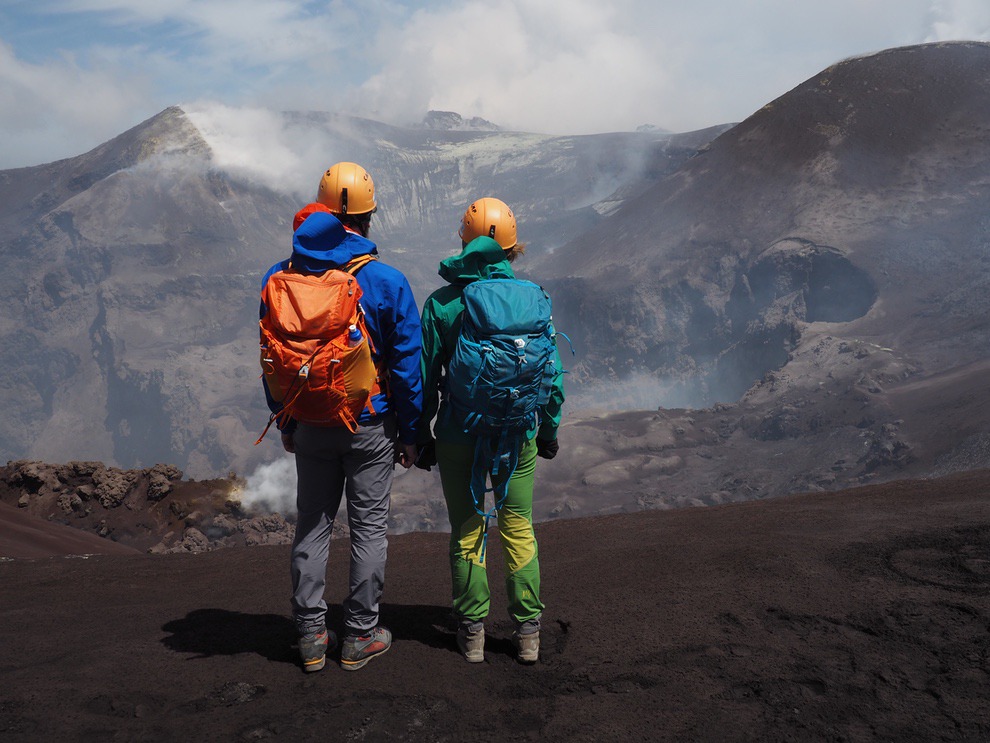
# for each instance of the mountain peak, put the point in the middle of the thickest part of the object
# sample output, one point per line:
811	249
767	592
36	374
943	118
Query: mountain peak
450	121
168	132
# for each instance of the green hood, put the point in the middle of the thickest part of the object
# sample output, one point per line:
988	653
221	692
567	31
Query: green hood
479	259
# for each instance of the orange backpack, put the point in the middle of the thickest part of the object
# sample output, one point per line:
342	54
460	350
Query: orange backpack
321	375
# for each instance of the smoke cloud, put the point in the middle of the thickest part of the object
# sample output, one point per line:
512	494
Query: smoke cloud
284	152
271	488
257	145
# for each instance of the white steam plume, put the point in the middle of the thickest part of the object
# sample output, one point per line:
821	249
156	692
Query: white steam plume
272	487
259	145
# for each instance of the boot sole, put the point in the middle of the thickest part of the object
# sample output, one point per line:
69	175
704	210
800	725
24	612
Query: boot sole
354	665
311	666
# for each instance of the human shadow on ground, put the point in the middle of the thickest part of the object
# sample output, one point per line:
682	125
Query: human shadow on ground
428	625
436	627
209	632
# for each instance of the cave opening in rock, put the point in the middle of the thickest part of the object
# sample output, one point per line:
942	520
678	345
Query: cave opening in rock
793	281
837	291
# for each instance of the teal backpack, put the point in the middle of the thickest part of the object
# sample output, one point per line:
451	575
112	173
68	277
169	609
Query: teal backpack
500	375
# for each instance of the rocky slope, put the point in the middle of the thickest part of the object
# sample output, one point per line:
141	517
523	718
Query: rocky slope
853	205
152	510
819	273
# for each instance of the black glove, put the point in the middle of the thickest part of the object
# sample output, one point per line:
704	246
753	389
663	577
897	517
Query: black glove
426	455
547	449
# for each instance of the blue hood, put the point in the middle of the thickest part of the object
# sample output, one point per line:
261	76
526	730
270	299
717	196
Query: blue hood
321	242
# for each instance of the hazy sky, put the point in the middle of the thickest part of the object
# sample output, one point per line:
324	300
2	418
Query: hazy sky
74	73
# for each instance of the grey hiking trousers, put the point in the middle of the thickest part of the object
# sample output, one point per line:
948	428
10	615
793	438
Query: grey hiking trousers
331	462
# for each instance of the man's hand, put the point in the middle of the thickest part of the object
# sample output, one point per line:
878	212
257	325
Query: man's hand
405	454
427	456
288	443
547	449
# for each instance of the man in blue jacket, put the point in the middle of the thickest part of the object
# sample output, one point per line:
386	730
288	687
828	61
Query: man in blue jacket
333	461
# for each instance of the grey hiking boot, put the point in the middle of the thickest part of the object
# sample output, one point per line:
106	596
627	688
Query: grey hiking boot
358	650
471	643
527	646
313	649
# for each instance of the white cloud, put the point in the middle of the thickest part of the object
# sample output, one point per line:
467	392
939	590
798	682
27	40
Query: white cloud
48	110
233	34
576	66
960	19
546	66
557	66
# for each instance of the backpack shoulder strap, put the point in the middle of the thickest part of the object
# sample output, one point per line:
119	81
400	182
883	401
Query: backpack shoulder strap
353	266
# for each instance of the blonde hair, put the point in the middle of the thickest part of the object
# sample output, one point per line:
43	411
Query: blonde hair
515	251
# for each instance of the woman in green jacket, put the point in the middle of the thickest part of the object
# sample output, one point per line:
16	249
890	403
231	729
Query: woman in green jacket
489	245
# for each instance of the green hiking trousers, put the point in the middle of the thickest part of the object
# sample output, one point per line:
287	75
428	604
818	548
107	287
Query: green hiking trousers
470	593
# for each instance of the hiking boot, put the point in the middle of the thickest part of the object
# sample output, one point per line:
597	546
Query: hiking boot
471	643
527	646
358	650
313	649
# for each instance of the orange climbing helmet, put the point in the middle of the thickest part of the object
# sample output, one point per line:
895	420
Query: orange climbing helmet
346	188
490	217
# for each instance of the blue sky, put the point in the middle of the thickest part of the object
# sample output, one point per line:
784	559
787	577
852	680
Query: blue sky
74	73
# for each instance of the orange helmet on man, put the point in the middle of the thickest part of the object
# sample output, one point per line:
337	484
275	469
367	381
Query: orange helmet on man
346	188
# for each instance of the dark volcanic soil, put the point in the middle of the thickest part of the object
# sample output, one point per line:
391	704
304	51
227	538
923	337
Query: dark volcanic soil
860	615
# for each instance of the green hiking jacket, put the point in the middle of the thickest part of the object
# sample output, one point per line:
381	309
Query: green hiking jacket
480	259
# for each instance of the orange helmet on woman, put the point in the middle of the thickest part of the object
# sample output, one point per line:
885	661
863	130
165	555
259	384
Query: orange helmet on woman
346	188
490	217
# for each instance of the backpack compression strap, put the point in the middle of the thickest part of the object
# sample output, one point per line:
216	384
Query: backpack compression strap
295	389
490	455
381	380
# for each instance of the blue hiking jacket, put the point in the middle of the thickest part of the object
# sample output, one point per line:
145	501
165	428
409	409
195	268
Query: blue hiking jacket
390	312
